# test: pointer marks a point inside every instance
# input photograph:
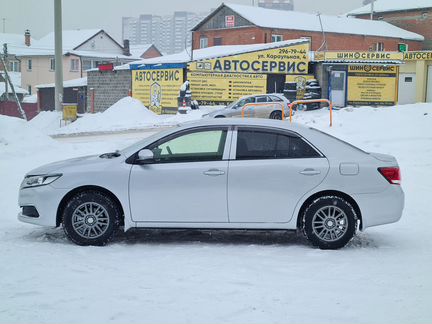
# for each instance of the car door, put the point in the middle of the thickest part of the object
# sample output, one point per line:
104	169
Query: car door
271	171
186	181
264	107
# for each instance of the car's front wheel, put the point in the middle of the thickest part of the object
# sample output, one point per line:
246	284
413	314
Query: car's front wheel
330	222
91	218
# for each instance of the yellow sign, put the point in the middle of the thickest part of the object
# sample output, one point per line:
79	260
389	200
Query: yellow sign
372	85
290	59
157	89
418	56
70	112
360	56
301	82
225	87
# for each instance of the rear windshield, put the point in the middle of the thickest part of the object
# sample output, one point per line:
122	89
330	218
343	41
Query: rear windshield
338	139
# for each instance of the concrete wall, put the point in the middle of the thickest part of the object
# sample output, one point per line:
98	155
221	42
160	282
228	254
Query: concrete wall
256	35
108	87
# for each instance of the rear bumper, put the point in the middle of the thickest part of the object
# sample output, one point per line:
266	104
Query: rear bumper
381	208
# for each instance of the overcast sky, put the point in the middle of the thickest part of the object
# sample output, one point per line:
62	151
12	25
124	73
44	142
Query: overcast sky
37	15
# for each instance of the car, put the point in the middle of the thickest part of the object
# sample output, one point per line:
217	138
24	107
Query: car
219	174
271	106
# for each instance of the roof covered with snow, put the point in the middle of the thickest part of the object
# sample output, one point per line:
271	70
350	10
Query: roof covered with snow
138	50
211	52
102	55
18	90
71	38
80	82
13	39
392	5
282	19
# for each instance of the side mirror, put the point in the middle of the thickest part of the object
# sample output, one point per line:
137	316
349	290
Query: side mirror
145	156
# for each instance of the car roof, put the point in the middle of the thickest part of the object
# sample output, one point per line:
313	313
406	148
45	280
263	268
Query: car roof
271	123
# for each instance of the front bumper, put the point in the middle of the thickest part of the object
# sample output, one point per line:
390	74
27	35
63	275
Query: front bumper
45	199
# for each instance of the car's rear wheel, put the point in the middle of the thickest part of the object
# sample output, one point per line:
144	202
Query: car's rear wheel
276	115
330	222
91	218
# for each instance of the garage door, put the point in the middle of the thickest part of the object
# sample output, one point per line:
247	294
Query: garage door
429	85
407	88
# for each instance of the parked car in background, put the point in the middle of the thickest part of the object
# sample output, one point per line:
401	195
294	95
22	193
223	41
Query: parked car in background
282	176
271	106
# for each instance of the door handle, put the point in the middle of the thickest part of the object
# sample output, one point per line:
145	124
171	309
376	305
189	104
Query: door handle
214	172
309	171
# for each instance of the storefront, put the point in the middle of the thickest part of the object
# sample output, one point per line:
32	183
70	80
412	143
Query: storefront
157	86
415	80
359	78
226	78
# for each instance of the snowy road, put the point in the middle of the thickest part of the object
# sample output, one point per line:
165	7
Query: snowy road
383	276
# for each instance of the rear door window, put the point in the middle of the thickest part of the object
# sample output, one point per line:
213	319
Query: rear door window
255	144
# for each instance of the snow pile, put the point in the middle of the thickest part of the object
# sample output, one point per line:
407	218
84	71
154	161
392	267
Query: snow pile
16	136
127	113
47	121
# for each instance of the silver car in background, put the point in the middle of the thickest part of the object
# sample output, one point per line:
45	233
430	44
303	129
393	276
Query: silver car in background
271	106
219	174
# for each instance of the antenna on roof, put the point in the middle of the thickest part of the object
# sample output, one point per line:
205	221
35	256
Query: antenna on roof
324	43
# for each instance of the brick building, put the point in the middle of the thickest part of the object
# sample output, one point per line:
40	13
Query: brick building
231	24
415	16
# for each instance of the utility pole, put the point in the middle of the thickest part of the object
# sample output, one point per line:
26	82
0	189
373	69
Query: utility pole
5	62
58	54
372	10
4	25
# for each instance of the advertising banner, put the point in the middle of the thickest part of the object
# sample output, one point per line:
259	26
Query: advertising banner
225	87
372	85
358	56
289	59
157	88
418	56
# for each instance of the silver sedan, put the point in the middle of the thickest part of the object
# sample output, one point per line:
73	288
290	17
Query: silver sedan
219	174
272	106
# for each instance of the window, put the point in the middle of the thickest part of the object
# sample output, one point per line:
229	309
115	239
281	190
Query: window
52	64
262	99
257	145
277	38
74	65
197	146
203	42
244	101
14	66
29	89
217	41
379	47
29	65
275	98
86	65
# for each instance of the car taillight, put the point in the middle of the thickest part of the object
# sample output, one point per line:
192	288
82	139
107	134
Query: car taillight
392	174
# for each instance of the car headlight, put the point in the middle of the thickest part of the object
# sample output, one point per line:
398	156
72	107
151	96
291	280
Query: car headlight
39	180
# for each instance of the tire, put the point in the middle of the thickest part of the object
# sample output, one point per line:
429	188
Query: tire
325	230
91	218
276	115
219	116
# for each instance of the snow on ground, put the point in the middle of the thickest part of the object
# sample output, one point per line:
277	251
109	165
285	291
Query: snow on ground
128	113
382	276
